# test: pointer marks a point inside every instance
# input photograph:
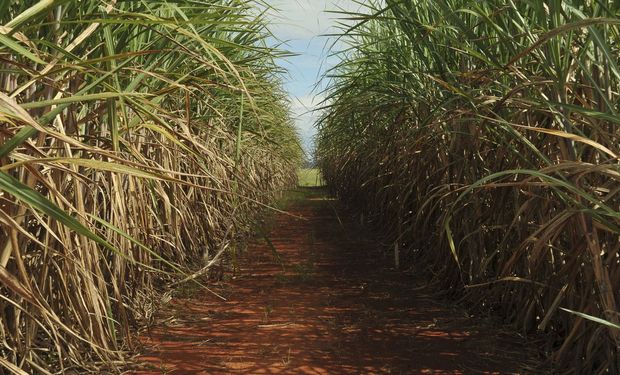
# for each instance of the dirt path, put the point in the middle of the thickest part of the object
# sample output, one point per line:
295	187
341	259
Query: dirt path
334	305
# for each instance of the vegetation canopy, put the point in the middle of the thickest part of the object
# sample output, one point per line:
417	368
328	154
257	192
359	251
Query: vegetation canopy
483	136
137	139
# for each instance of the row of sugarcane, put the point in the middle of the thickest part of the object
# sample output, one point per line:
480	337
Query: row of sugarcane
138	140
483	139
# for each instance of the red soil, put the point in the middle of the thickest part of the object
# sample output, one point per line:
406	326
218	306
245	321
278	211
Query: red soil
334	305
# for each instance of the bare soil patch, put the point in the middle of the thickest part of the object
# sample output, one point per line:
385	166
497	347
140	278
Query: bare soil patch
333	304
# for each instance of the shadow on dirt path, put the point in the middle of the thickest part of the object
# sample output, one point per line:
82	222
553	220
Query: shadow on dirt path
333	305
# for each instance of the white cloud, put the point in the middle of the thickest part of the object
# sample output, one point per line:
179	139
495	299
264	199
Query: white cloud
305	104
305	19
302	23
304	111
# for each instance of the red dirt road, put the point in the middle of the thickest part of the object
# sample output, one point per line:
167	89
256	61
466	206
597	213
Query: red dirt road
333	305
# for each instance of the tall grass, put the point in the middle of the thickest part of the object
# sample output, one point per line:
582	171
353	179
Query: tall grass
483	135
137	139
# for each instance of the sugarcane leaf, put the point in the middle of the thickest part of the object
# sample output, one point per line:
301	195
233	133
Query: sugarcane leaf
21	51
592	318
33	198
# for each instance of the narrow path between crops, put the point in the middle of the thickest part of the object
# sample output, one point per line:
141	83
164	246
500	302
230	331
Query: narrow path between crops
333	305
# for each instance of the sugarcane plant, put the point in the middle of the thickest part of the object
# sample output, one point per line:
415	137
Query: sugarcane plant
483	137
138	138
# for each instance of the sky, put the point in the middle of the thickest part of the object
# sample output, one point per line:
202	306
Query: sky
302	24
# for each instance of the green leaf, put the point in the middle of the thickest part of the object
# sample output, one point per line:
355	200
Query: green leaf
12	44
33	198
592	318
78	99
30	13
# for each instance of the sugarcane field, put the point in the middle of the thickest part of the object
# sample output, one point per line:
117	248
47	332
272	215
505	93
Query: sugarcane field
309	187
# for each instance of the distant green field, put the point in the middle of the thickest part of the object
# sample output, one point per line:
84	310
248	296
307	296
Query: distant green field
310	177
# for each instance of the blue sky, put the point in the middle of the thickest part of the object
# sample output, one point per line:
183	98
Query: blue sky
301	24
